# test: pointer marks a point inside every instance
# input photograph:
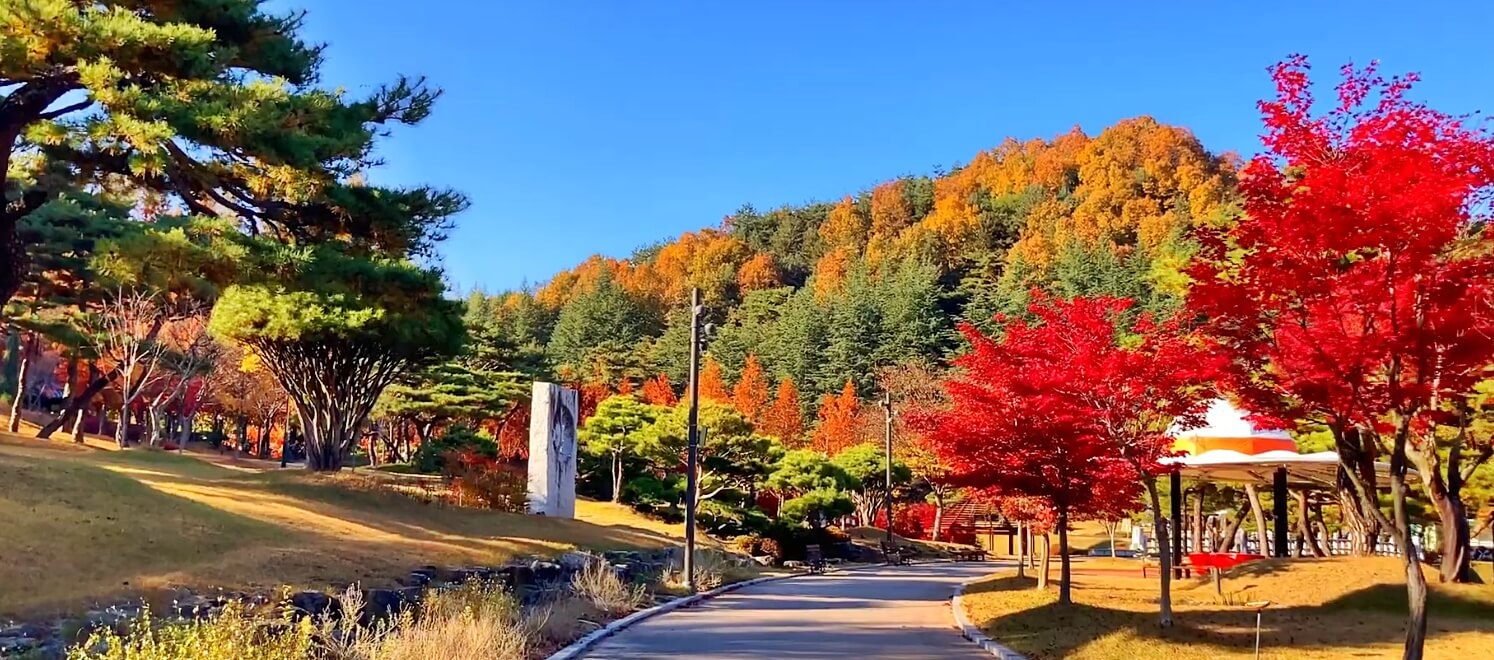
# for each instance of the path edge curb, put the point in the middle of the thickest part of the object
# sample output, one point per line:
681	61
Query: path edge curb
580	646
576	648
970	631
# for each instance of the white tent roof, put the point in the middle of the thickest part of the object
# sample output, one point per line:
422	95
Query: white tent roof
1224	420
1318	469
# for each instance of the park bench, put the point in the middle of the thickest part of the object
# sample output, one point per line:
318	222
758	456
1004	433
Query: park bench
814	558
969	554
896	555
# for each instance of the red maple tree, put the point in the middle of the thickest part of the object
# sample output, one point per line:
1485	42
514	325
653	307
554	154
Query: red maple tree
1360	287
1015	429
1359	290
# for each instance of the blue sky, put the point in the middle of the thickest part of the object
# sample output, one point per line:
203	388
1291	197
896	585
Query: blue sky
595	127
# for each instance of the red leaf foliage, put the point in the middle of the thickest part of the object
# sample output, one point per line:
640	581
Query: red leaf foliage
1360	281
1066	410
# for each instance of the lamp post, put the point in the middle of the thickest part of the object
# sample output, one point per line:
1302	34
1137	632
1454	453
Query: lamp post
887	407
693	442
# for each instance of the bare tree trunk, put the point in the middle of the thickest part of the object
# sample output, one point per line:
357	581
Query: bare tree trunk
1046	563
617	476
1227	540
1259	514
938	512
1065	593
78	425
19	402
122	430
1304	525
1198	521
1159	527
1021	549
79	402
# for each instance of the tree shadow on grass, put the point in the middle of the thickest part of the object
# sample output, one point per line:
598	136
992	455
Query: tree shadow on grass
1357	620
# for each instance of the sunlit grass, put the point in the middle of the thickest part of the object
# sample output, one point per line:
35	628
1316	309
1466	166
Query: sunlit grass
84	525
1334	608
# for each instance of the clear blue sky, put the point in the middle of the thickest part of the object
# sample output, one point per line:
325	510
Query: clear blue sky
594	127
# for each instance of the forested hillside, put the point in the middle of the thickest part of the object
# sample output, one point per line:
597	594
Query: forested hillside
829	293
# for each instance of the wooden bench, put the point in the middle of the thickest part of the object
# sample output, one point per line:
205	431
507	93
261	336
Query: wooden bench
814	558
896	555
970	554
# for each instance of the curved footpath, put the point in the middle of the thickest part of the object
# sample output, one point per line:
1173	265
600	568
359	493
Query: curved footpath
882	613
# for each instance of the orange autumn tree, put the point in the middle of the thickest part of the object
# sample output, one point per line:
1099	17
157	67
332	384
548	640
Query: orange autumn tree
712	387
836	430
750	396
782	418
760	272
659	391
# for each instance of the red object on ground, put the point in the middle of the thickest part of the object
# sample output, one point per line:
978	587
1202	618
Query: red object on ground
1220	560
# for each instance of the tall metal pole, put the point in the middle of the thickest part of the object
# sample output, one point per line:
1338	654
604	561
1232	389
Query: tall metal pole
693	443
887	407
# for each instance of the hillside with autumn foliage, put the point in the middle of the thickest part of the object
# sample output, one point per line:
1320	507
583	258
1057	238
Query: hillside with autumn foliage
816	296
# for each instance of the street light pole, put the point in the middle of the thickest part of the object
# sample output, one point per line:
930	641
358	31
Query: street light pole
693	443
887	407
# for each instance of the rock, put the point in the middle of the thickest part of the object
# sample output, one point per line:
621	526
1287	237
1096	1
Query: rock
764	560
196	607
472	573
379	604
313	603
623	556
546	571
575	561
17	645
421	577
516	577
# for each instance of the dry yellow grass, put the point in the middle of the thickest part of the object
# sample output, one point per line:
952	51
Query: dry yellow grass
1323	609
83	525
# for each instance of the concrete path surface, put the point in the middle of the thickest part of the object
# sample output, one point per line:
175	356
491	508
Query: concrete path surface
881	613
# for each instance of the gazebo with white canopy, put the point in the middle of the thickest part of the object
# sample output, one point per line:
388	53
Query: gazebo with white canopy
1231	449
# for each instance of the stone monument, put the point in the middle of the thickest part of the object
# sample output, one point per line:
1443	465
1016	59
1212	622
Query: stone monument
552	450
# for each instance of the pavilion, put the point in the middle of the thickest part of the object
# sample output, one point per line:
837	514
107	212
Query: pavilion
1229	448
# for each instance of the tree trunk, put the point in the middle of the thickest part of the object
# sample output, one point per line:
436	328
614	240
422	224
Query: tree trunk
1254	499
1358	454
1110	529
1227	537
1304	526
1065	595
1198	521
1159	528
1021	549
122	430
617	476
79	403
184	432
78	425
1045	563
19	402
938	512
1416	582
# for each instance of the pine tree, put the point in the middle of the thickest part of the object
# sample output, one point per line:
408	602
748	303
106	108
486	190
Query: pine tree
594	329
853	337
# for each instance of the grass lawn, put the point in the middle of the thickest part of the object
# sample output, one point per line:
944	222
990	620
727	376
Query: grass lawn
83	524
1329	608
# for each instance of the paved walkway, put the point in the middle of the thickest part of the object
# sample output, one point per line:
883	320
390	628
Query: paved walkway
882	613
